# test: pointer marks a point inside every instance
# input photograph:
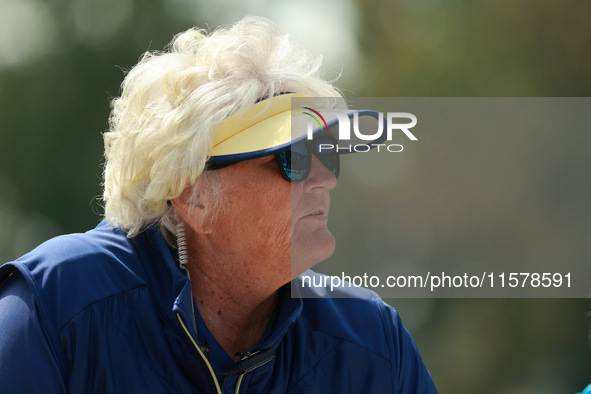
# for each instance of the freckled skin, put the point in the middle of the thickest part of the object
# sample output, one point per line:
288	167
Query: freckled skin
268	232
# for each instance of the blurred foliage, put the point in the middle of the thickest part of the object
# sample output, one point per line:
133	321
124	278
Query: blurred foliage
54	109
475	48
54	104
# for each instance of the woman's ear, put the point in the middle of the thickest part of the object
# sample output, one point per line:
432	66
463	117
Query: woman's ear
194	211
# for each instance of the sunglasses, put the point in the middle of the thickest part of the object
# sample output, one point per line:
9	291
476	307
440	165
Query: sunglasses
295	163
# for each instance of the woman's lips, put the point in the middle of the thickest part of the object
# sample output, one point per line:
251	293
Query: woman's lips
318	214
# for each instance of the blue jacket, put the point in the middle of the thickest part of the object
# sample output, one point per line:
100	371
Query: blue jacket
101	313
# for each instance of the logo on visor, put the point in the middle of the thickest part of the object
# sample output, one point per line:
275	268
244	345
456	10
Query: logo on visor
316	119
361	130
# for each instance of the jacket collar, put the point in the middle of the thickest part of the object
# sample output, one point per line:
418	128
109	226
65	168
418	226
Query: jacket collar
170	287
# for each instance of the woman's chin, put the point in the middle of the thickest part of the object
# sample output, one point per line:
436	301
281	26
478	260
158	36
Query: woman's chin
307	253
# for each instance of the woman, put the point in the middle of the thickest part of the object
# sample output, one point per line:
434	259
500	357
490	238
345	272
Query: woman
213	206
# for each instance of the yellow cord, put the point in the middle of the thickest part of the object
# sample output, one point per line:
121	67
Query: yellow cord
215	379
238	383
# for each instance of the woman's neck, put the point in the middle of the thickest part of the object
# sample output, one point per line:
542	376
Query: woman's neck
235	298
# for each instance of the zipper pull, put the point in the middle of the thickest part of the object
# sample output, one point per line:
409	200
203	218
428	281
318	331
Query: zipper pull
250	360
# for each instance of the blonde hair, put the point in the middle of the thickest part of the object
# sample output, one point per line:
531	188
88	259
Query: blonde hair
162	126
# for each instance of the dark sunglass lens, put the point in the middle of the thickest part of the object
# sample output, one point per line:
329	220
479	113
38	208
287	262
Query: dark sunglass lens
300	162
293	165
327	154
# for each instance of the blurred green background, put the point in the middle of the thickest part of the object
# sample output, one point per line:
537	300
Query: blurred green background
61	62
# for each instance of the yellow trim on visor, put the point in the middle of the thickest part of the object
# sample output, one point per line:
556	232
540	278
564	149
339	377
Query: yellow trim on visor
266	125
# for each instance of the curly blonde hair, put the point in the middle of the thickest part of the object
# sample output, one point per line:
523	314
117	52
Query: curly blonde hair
162	126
